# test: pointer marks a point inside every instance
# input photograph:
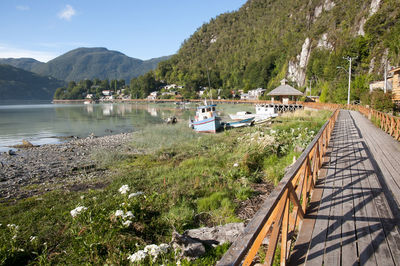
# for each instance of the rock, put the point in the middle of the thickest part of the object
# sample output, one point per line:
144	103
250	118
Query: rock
11	152
190	248
26	143
171	120
218	234
192	242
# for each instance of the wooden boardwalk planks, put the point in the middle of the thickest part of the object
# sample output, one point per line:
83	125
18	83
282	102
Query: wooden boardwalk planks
356	220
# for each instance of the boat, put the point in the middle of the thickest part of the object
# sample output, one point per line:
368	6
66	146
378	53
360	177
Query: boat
263	111
206	119
242	123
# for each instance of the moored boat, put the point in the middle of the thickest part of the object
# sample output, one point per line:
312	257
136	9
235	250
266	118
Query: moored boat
241	123
263	111
206	119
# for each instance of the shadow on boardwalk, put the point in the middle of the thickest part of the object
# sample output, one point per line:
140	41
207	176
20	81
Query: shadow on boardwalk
356	220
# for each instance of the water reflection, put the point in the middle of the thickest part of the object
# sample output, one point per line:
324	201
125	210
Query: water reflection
41	124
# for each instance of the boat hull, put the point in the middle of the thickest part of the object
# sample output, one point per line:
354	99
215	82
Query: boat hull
209	125
241	123
257	117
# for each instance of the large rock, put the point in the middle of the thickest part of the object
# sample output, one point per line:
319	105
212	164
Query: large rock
192	242
218	234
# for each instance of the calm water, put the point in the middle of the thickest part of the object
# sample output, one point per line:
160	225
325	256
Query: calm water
45	123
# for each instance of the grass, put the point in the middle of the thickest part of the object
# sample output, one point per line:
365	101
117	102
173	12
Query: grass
188	180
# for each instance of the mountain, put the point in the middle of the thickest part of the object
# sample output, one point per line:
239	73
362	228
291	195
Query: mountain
304	41
19	84
88	63
24	63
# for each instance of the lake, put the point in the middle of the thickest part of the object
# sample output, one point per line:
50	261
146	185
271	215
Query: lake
46	123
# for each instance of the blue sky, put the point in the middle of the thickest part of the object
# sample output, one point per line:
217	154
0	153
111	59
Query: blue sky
144	29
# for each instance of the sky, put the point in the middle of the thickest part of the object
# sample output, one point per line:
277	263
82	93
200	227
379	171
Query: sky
144	29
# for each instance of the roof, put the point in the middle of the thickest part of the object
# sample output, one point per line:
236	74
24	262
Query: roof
394	69
285	90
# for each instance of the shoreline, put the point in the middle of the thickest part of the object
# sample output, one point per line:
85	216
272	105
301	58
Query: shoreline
68	165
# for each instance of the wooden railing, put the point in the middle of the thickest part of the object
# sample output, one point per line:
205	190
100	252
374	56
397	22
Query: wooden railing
285	207
388	123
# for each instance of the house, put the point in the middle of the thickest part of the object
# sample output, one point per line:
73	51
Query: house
107	92
170	86
284	92
244	96
153	95
89	96
252	94
381	85
255	94
169	93
395	72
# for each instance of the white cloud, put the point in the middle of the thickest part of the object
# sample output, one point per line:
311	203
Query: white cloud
67	13
22	8
12	52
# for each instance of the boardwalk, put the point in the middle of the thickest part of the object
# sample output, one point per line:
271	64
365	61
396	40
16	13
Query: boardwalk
354	216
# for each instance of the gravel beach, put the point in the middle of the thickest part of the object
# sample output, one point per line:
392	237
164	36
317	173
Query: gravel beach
69	166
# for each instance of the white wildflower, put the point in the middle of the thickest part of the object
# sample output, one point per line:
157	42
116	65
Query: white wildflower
21	249
164	248
135	194
82	197
13	226
272	131
235	165
32	238
178	263
119	213
153	250
14	237
138	256
78	210
128	214
124	189
127	223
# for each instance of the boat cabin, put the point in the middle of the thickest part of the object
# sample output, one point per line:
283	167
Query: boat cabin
205	112
265	109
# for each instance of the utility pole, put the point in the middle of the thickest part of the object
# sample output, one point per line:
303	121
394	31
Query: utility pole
350	59
385	85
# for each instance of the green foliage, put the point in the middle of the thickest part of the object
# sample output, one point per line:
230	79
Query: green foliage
381	101
142	86
79	90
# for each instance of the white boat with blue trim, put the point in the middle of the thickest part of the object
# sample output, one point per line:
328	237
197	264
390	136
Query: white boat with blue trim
263	111
206	119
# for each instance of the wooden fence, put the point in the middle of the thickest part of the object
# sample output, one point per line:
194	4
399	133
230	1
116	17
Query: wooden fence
388	123
285	207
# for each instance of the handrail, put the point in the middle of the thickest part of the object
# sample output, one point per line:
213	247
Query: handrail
278	216
388	123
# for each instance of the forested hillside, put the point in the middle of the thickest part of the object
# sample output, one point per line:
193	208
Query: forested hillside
88	63
304	41
27	64
18	84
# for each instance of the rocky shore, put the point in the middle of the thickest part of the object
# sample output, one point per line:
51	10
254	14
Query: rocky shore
73	165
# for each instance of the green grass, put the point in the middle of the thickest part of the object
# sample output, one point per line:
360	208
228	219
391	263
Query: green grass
189	180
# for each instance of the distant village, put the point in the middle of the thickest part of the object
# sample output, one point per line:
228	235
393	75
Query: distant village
283	93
